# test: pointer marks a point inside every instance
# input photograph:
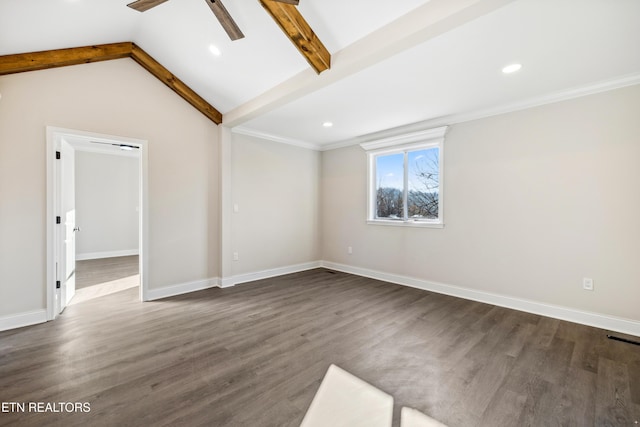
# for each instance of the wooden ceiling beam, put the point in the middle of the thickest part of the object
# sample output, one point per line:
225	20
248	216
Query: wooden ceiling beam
299	32
22	62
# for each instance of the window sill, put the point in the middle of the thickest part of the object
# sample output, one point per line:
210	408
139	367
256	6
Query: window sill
418	224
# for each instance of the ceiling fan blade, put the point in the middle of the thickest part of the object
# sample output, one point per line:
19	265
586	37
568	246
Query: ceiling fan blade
227	22
142	5
296	2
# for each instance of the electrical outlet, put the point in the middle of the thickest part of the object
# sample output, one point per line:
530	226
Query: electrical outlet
587	284
235	256
349	250
236	208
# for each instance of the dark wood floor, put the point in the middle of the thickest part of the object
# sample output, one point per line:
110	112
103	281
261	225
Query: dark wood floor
254	355
92	272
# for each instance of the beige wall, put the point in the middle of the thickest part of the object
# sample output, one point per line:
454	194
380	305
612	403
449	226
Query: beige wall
276	188
534	201
118	98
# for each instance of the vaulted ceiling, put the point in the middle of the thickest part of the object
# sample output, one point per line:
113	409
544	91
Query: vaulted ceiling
393	63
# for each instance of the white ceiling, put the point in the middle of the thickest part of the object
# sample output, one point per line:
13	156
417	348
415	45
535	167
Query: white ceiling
394	63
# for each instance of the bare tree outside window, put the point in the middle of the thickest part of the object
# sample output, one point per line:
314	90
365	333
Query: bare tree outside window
424	183
390	179
390	203
422	169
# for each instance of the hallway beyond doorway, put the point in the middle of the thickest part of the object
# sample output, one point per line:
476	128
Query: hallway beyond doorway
104	276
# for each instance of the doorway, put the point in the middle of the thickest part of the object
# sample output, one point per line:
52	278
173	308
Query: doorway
75	263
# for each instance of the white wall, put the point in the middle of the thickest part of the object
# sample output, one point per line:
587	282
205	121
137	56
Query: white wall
116	98
534	201
107	204
276	188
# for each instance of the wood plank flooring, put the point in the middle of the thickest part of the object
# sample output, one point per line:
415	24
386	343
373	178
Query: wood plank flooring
104	276
255	354
92	272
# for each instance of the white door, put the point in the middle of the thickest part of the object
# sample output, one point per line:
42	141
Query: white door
68	211
69	287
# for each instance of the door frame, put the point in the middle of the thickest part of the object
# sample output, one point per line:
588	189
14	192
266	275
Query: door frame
54	201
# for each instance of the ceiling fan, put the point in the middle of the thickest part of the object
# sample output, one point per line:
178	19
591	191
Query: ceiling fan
286	15
218	9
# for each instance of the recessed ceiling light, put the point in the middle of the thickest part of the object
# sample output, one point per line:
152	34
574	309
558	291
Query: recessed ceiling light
327	124
214	49
511	68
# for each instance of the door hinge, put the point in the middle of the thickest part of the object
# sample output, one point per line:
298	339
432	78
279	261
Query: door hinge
57	284
58	220
57	155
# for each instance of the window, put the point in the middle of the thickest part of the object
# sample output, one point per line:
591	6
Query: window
405	179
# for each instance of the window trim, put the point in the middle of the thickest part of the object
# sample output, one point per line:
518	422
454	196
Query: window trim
402	144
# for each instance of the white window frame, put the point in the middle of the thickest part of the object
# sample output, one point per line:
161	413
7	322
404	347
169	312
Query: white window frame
430	138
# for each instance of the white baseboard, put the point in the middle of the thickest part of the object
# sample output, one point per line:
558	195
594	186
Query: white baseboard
612	323
265	274
226	282
107	254
183	288
23	319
